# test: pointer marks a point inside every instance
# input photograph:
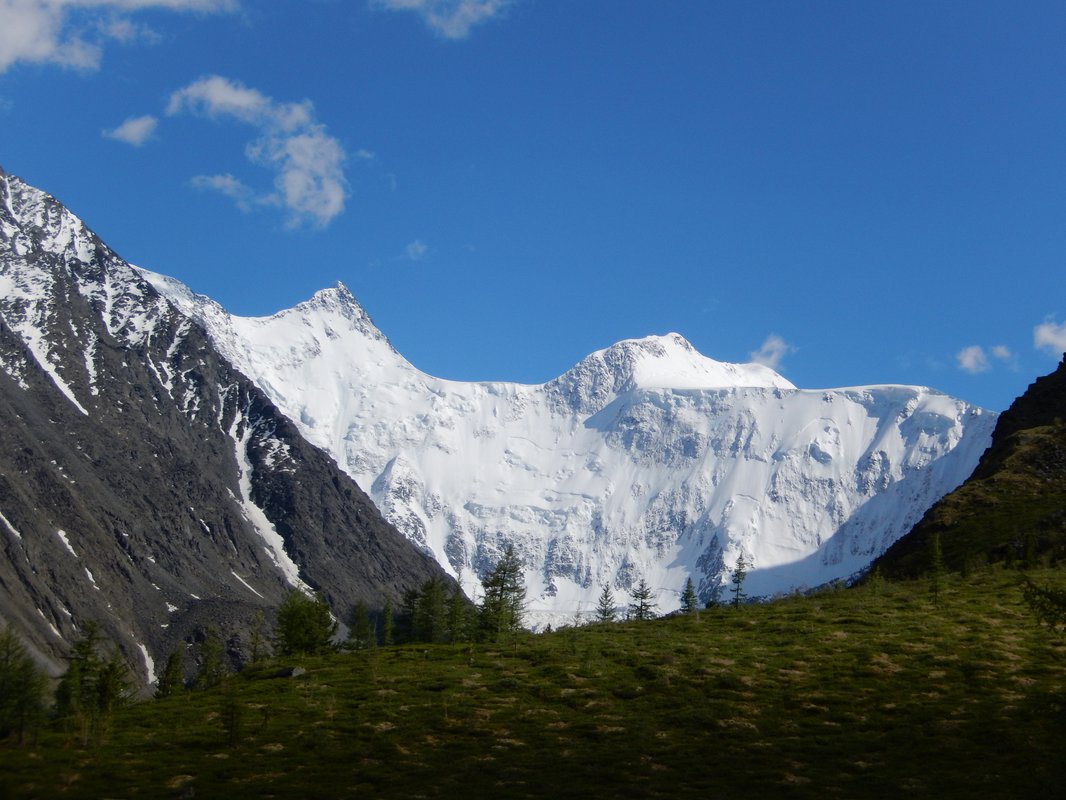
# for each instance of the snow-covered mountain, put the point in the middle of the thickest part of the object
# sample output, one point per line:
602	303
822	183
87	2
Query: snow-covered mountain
145	484
645	460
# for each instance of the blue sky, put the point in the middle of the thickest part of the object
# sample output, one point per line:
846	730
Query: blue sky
853	192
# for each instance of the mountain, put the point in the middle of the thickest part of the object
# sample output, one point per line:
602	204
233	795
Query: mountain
145	483
645	460
1013	507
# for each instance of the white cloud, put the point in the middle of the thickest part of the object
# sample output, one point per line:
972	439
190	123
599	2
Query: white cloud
310	182
216	97
972	359
772	351
1050	337
135	131
1002	352
226	185
72	33
451	19
416	250
307	162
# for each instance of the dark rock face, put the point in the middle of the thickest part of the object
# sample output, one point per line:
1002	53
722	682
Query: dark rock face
1042	404
145	483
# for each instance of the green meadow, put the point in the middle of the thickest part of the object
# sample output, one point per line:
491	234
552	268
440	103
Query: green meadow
875	691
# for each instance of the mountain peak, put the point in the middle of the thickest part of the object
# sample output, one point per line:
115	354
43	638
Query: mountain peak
337	293
338	300
666	361
671	362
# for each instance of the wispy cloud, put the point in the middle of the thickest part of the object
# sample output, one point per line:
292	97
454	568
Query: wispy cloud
216	97
306	161
1050	338
772	352
226	185
416	250
73	33
134	131
452	19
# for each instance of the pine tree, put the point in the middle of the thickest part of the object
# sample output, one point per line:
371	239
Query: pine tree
388	625
305	625
113	688
405	620
505	595
362	633
22	689
172	680
258	639
640	605
92	688
211	670
76	693
1047	603
605	607
430	619
458	616
740	572
936	568
690	602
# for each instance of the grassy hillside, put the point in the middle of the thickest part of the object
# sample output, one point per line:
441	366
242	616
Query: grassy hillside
1013	508
870	692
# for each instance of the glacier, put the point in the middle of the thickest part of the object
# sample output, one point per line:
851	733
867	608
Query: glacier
646	460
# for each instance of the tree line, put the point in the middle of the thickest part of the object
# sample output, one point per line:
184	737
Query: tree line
98	681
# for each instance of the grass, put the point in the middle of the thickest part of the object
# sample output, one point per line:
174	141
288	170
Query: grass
868	692
1013	504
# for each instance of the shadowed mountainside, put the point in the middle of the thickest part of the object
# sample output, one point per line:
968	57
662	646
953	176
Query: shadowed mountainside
1013	507
145	484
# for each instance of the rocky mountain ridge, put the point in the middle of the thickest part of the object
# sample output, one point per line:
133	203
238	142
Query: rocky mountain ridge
145	483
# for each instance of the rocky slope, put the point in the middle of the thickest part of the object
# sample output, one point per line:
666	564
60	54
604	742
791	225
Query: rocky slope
144	482
1013	507
646	459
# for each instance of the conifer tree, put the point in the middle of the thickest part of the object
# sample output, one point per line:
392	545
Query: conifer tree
503	606
172	680
362	633
92	687
22	689
740	572
406	619
640	605
305	625
258	639
690	602
388	625
430	622
211	670
1047	603
936	568
114	687
458	616
605	607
